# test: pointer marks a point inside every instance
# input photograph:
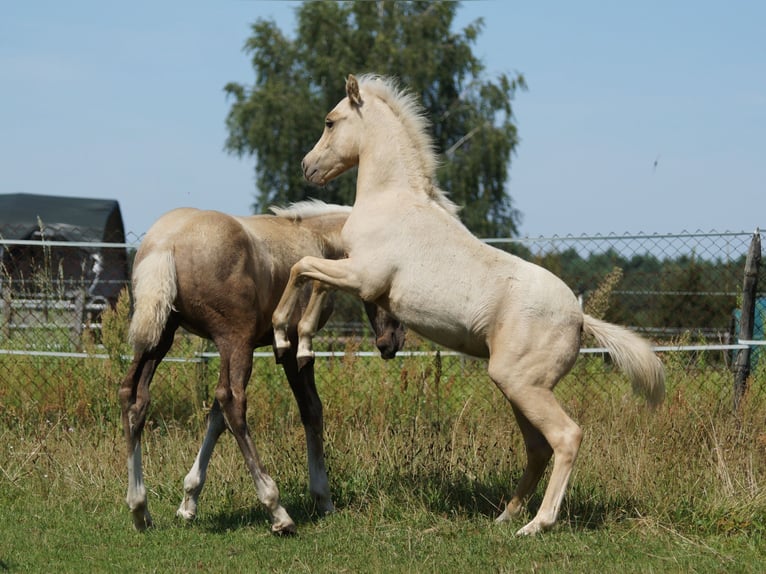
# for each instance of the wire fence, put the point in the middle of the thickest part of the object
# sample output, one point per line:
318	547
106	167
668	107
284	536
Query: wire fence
682	291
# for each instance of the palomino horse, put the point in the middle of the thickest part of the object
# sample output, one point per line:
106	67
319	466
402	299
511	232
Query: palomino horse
221	278
408	252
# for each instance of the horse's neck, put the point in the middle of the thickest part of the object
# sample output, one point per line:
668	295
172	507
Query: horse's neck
380	173
388	156
328	228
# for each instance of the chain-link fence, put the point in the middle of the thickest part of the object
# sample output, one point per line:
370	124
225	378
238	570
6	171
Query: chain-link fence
682	291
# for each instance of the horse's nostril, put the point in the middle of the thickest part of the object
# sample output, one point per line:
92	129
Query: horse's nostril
309	172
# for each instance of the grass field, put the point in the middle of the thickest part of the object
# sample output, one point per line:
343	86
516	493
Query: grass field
420	462
422	454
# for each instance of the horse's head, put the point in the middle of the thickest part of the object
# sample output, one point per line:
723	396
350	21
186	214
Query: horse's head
389	332
338	148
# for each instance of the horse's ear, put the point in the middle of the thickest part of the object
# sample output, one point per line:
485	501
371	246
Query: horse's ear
352	90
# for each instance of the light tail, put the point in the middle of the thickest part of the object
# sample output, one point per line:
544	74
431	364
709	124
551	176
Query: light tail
633	355
154	291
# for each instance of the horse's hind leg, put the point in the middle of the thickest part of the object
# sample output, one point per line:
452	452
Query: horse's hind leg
134	400
310	406
539	453
236	367
195	479
528	387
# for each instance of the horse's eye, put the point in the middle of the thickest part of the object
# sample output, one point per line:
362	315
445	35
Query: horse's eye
328	124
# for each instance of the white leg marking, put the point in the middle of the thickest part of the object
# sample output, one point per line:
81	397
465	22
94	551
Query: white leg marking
136	497
195	479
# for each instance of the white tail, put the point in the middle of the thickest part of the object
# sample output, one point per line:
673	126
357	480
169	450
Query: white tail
633	355
154	291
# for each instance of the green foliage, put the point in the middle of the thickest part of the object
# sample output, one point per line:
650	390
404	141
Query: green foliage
280	117
673	294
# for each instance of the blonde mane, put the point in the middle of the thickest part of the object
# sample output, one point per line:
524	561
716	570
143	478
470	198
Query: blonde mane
408	110
308	208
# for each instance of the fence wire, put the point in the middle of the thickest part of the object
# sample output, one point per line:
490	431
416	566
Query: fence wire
682	291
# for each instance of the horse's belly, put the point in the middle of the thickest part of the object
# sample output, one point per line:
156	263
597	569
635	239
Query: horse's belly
442	321
461	341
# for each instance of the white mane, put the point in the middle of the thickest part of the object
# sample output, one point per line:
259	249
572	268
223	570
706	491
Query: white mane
308	208
407	108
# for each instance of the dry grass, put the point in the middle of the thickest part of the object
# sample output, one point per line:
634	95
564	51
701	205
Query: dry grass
691	463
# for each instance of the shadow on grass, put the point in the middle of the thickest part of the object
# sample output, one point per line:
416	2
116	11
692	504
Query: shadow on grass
582	509
255	517
433	494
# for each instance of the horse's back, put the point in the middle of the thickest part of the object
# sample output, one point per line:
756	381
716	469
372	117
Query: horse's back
185	225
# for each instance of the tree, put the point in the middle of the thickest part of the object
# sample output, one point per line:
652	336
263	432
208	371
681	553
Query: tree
280	117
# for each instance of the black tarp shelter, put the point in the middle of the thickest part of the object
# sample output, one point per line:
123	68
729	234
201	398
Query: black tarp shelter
100	271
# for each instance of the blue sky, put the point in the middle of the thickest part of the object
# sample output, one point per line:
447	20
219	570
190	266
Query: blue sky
125	101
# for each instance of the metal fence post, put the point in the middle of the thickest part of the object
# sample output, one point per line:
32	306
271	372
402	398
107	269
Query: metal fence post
747	318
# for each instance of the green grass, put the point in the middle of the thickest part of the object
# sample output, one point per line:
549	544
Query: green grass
78	537
674	491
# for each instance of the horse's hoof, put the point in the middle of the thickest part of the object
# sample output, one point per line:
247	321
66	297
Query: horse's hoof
305	361
284	529
324	506
512	510
186	514
279	354
531	529
142	520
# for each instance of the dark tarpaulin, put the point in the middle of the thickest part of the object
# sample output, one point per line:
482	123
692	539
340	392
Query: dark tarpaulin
100	271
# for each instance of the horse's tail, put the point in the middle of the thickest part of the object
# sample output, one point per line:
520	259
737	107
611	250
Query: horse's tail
633	355
154	291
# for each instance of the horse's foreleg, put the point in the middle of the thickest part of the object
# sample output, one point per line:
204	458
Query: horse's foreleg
280	318
309	323
230	393
195	479
310	406
336	273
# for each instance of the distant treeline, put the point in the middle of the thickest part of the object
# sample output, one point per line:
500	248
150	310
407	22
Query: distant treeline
672	295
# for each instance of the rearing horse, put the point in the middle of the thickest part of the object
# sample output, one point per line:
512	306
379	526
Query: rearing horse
409	253
221	277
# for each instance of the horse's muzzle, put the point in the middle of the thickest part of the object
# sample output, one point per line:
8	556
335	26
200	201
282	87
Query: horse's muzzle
389	345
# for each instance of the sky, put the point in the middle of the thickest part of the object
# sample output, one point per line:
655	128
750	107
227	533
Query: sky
640	117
